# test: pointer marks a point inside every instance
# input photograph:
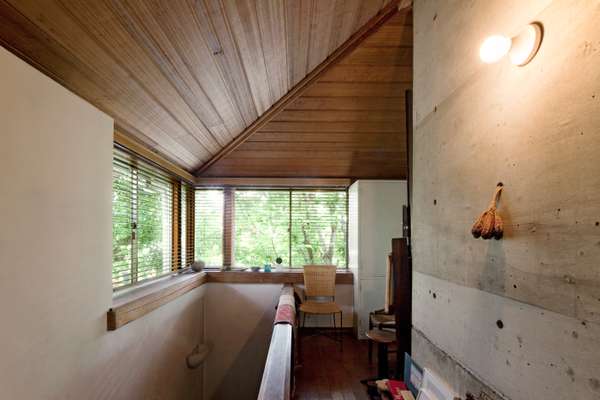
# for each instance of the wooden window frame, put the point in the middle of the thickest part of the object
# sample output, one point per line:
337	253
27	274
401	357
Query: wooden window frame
229	218
177	183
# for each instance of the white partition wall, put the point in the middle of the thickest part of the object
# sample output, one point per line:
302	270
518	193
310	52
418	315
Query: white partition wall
375	217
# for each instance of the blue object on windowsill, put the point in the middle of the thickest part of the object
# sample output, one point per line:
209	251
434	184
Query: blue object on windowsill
267	268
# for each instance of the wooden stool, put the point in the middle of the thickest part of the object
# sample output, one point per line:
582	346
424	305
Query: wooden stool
383	340
378	319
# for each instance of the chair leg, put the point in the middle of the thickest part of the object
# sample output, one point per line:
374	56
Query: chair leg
333	319
303	320
341	332
370	342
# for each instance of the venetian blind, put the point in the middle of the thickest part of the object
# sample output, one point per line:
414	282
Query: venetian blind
209	226
319	227
142	221
261	226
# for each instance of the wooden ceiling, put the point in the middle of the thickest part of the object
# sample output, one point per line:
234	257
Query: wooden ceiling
186	77
349	123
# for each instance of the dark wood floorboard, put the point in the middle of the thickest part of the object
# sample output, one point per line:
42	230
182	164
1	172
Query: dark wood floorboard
328	373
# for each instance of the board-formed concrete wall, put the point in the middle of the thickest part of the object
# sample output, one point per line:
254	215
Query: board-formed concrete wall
520	315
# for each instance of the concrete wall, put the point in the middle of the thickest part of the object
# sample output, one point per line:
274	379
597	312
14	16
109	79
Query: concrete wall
55	260
375	217
521	316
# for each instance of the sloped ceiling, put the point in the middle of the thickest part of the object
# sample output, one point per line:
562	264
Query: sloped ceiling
351	122
186	77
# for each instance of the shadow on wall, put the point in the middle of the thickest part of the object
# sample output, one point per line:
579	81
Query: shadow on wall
240	336
146	358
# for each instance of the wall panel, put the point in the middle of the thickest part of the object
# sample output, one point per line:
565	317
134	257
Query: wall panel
534	128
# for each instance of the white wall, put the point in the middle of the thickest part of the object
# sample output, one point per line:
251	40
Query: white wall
375	217
239	323
55	260
536	129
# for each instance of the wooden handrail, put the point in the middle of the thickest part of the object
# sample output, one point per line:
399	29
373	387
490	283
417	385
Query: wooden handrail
277	377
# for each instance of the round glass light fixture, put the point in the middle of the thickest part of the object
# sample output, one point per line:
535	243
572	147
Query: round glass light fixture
521	49
494	48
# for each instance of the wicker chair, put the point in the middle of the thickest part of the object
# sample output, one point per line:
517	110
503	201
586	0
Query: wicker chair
319	292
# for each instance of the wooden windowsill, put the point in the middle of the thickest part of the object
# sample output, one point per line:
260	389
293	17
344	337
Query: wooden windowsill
137	302
282	276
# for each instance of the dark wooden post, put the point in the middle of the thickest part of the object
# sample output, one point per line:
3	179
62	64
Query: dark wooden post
402	300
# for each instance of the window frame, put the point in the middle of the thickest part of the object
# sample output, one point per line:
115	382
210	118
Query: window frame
178	227
197	208
231	231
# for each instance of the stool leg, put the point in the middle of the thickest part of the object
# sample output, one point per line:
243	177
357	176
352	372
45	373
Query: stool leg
382	361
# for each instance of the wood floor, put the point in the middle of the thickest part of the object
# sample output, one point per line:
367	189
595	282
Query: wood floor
327	373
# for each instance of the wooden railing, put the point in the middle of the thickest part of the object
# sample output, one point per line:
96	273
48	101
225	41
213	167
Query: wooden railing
277	380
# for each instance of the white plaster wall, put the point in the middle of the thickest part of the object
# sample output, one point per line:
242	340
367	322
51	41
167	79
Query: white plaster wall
353	249
55	260
375	210
535	128
239	324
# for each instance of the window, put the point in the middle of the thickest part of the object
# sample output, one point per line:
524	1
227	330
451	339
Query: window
186	225
261	225
145	214
209	226
300	226
319	226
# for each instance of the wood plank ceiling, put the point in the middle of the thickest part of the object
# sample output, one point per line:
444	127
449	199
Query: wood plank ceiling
185	77
350	123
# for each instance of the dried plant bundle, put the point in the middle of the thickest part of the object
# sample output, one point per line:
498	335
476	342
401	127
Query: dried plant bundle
489	224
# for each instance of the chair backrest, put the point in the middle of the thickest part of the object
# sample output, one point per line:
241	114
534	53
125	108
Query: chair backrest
319	280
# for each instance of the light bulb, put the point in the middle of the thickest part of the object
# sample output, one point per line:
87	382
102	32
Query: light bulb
494	48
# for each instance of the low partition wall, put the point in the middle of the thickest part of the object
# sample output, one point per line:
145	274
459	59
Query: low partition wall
136	303
239	310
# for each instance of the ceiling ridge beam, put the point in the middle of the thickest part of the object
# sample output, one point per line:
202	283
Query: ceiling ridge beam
313	76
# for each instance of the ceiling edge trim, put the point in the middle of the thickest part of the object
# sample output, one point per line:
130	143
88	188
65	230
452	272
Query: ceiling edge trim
143	151
274	182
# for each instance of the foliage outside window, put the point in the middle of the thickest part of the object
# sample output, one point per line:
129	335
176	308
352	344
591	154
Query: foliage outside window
319	225
300	226
142	221
209	227
261	227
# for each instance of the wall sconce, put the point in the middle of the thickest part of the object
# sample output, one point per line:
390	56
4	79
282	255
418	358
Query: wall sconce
521	49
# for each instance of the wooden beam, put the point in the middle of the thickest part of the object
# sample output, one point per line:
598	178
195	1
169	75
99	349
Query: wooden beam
297	91
141	150
274	182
